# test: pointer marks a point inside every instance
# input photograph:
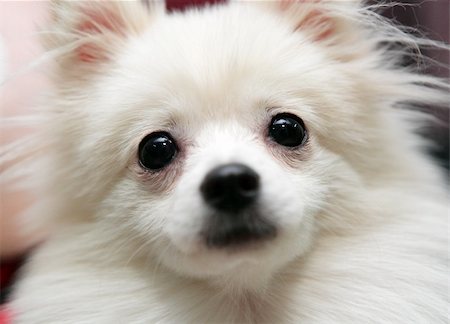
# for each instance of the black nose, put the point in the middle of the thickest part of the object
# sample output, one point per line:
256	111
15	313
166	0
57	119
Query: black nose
230	187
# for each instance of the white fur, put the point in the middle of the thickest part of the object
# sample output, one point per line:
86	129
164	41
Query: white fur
361	212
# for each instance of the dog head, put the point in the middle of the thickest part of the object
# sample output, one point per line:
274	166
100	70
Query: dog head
218	138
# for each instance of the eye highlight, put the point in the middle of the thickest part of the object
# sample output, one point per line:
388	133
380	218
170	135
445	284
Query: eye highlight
157	150
287	130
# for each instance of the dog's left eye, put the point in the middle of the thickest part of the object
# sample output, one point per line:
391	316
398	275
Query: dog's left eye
157	150
287	130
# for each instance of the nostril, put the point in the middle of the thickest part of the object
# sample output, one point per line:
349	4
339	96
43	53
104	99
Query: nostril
213	190
230	187
248	183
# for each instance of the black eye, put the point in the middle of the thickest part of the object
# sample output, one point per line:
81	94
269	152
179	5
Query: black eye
287	130
157	150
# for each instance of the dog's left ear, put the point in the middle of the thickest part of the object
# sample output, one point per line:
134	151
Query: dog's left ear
332	23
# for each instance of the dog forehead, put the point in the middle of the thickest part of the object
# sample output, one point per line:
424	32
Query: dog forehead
212	65
212	53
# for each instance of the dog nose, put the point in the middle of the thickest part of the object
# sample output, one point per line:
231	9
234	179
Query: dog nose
230	187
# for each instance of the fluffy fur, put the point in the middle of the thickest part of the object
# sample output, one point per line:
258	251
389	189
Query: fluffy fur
361	212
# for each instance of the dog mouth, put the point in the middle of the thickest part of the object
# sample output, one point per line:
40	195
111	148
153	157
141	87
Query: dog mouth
237	230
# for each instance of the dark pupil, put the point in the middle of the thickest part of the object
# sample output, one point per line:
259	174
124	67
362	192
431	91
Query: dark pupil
156	151
287	130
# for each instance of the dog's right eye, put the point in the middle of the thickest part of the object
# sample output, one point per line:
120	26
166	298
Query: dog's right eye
157	150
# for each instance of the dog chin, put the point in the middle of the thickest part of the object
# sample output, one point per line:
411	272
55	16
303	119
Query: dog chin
238	267
247	264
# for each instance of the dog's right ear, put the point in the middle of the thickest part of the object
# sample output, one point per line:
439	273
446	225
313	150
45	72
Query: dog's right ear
87	34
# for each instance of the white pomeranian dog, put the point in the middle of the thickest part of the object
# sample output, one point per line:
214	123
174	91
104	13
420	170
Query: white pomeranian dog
250	162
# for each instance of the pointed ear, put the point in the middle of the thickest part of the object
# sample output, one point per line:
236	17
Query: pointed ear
329	22
89	33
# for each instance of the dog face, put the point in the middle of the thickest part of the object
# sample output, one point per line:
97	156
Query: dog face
209	139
